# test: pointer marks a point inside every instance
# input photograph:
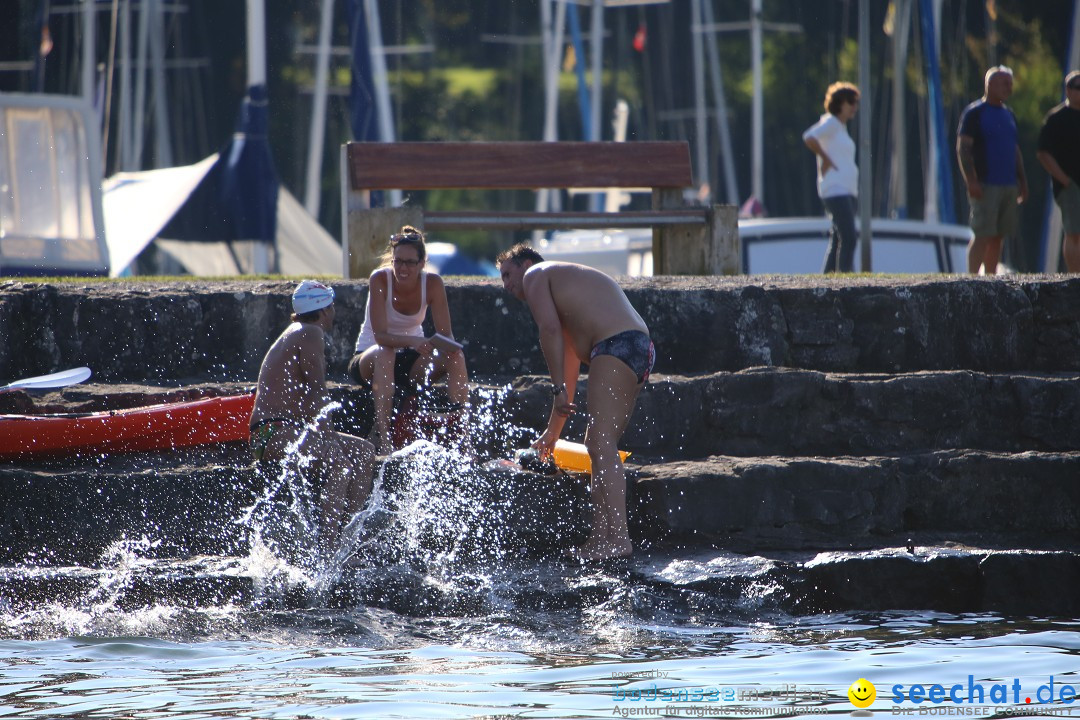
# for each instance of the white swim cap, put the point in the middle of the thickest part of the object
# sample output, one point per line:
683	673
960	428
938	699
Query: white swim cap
311	295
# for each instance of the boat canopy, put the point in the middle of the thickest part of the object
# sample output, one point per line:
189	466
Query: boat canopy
51	220
141	206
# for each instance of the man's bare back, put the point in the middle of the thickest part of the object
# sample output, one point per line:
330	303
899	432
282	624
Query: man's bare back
292	376
591	306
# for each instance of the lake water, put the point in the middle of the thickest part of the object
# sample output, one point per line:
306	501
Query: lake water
225	663
414	624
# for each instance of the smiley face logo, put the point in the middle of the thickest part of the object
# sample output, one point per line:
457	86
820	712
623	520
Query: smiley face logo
862	693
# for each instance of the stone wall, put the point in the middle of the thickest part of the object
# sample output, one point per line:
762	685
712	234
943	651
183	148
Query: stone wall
920	429
148	330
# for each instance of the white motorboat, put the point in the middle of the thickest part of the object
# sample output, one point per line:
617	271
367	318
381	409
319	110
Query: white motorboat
778	245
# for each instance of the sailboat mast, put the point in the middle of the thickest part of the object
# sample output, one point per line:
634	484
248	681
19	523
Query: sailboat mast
256	43
727	155
379	78
930	15
866	184
700	126
900	33
256	74
162	143
316	137
553	35
757	107
89	87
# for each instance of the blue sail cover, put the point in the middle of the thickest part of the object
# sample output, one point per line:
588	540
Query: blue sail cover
362	83
946	207
237	200
362	118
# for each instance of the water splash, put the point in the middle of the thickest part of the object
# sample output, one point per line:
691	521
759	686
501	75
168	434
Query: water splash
121	561
284	520
453	548
429	512
429	536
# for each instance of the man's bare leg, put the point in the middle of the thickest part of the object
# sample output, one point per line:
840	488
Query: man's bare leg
613	390
457	387
1071	249
346	465
983	252
975	254
361	456
457	378
991	255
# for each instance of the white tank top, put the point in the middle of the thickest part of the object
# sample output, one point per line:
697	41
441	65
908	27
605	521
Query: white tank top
396	323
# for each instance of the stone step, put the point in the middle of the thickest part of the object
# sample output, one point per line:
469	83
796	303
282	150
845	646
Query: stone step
755	412
178	505
758	411
880	324
818	502
169	329
937	577
945	577
185	503
72	510
782	411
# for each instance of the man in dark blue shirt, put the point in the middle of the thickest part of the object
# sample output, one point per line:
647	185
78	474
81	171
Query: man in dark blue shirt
988	149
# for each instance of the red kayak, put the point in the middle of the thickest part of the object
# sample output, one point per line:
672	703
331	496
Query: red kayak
154	427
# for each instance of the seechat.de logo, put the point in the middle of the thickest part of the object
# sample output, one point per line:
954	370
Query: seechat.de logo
862	693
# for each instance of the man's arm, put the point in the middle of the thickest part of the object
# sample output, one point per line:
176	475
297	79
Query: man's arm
558	353
541	304
965	156
1021	177
1050	164
311	357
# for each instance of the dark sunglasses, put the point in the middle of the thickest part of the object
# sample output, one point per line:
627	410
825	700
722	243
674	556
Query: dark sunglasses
1073	86
397	238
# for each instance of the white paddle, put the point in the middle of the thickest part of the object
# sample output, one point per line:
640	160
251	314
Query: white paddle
53	380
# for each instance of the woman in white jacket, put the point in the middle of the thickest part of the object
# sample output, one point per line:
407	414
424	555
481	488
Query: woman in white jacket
838	176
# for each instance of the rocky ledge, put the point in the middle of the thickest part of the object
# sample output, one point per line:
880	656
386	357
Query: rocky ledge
806	444
147	331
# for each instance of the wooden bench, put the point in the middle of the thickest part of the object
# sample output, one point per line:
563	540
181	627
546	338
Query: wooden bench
686	240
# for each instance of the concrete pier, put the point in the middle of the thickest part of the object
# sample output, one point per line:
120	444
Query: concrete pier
904	431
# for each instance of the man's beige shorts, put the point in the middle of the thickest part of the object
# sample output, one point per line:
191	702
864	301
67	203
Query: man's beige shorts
1069	202
994	214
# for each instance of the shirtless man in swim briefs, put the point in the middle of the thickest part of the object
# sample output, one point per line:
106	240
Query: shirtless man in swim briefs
291	395
584	317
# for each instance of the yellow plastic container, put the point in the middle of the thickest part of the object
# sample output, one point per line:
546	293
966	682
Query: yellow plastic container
574	457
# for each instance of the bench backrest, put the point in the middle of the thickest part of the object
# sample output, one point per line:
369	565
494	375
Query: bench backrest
685	240
517	165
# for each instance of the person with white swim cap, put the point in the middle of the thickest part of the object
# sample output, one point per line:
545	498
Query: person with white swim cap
289	406
311	295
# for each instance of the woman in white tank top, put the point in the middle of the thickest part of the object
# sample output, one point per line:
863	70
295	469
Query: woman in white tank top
391	346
